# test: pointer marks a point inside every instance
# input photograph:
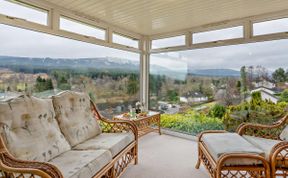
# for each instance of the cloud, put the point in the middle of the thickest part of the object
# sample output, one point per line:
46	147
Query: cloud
21	42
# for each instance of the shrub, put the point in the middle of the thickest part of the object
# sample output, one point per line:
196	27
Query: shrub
284	96
190	122
217	111
261	112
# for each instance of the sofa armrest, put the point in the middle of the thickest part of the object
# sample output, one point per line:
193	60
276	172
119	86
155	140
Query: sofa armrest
264	131
112	126
12	167
209	132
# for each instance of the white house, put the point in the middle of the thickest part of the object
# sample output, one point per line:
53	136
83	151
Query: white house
193	97
265	96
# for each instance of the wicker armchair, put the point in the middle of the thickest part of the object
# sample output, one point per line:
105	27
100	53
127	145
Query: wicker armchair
11	167
278	156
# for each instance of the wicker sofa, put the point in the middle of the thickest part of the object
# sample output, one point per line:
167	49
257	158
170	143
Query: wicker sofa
254	151
63	136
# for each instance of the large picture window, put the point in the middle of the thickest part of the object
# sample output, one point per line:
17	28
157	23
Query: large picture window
109	76
221	87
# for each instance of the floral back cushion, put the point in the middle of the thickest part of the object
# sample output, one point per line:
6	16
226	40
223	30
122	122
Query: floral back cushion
75	117
30	130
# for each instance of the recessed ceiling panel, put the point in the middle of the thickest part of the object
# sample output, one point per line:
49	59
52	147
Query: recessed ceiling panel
160	16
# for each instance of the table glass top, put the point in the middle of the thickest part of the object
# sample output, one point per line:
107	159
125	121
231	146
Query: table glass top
137	116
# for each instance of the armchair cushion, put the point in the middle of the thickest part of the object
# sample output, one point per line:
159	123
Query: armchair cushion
262	143
114	142
30	130
75	118
220	143
75	164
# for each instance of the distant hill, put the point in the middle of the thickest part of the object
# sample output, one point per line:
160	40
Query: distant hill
62	63
215	72
38	65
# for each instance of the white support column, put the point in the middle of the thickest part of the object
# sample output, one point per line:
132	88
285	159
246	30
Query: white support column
145	45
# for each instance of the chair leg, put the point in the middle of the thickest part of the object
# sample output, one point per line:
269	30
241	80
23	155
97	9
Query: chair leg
198	163
199	160
136	154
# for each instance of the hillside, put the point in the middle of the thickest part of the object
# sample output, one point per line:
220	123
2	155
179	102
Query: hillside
215	72
36	65
61	63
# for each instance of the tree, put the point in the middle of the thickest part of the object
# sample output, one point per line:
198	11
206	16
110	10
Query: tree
279	75
284	96
231	94
132	87
217	111
172	96
62	78
238	85
42	84
243	79
261	73
201	87
256	99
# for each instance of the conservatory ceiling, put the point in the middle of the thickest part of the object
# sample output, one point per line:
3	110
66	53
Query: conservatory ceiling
150	17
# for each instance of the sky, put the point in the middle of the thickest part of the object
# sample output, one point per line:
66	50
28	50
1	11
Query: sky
20	42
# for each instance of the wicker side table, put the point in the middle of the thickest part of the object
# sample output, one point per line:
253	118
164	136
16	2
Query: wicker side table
144	123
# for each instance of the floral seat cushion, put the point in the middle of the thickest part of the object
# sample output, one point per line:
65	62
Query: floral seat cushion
114	142
30	130
82	164
75	117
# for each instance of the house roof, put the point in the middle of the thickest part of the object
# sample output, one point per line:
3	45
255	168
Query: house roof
194	95
275	89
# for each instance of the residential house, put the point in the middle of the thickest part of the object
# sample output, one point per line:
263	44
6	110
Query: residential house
193	97
266	94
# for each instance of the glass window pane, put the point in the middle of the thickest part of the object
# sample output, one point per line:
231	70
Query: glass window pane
215	35
109	76
81	28
221	87
268	27
23	11
168	42
119	39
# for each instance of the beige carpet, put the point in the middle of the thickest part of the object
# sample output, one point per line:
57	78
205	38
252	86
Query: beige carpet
166	157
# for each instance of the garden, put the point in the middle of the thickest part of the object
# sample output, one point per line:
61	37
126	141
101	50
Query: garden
219	117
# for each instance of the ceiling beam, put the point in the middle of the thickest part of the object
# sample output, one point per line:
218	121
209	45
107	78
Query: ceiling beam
254	39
